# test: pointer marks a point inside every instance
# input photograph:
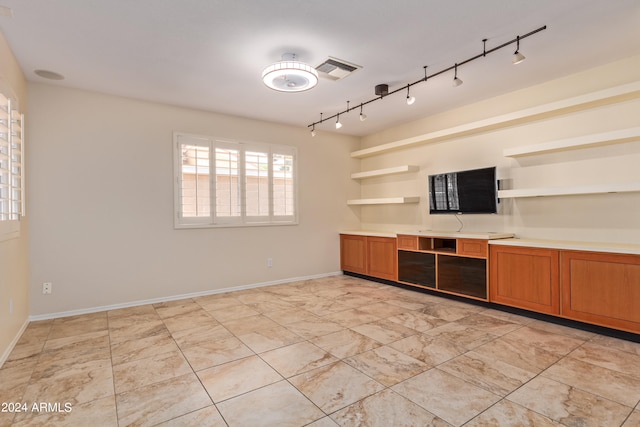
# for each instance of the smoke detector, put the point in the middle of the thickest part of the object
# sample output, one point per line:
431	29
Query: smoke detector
336	69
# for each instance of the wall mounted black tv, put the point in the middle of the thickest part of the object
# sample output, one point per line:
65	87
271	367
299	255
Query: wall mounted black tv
464	192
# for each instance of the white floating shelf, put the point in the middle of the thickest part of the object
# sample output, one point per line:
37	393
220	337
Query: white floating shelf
595	140
601	97
384	201
383	172
623	187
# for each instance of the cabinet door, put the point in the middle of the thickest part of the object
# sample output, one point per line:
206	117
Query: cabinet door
473	247
602	288
353	253
407	242
382	257
525	277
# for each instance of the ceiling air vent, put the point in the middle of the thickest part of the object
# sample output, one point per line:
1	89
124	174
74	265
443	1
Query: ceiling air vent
336	69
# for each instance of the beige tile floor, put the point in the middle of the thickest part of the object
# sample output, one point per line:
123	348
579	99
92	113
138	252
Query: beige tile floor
325	352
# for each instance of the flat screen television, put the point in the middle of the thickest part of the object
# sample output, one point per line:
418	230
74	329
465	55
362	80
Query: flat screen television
464	192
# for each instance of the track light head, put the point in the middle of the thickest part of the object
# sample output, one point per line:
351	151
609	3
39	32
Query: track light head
517	56
338	124
313	130
456	80
410	99
363	116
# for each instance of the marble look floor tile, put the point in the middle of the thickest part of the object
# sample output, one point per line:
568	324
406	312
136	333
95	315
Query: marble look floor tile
408	304
489	324
430	350
80	383
446	312
568	405
278	404
554	343
190	320
386	365
350	318
138	310
450	398
292	315
159	367
176	307
493	375
62	360
234	312
25	350
78	343
234	378
322	306
562	330
297	358
509	317
418	321
311	328
468	337
621	388
76	325
517	353
335	386
345	343
205	417
384	331
162	401
133	329
323	422
509	414
249	324
14	378
212	353
97	412
200	334
633	420
136	349
217	301
617	344
610	358
386	409
269	339
382	309
36	332
271	306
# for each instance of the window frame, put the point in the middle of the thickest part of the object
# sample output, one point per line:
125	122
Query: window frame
13	134
243	219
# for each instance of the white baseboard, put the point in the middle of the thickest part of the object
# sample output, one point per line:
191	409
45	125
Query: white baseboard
13	343
47	316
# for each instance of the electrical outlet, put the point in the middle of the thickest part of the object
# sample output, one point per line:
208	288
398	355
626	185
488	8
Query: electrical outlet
47	288
269	262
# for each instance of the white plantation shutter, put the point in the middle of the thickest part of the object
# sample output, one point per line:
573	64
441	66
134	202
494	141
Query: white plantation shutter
11	168
228	183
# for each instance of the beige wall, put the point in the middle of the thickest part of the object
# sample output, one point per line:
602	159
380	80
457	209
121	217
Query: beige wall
13	253
101	198
602	217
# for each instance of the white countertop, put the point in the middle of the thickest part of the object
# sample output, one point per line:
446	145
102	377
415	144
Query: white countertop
432	233
621	248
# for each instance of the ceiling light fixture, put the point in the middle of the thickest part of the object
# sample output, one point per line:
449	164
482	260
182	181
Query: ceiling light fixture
290	75
382	91
456	80
410	99
517	56
313	130
338	124
363	116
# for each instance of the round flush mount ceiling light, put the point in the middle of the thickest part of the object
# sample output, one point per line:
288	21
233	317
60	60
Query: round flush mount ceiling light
290	75
51	75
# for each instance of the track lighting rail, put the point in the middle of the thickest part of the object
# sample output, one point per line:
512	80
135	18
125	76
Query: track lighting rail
406	87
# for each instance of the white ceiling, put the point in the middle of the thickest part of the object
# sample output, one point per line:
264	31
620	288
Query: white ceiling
209	54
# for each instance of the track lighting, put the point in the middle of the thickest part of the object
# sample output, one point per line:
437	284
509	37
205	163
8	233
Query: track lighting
313	130
363	116
410	99
456	80
382	90
517	56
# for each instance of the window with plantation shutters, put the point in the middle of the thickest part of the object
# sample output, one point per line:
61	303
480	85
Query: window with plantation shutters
11	168
222	183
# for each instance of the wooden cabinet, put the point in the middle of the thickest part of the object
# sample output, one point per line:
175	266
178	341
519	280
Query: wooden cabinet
447	264
353	253
525	277
369	255
601	288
